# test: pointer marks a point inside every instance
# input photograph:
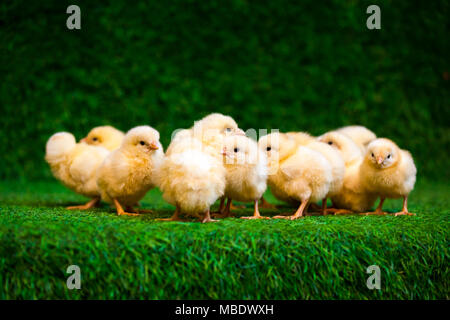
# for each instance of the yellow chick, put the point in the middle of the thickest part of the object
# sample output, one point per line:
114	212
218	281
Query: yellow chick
104	136
296	173
192	180
130	171
331	154
352	197
359	134
388	172
75	165
246	172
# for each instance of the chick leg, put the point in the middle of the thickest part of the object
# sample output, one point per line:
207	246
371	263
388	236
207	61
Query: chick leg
298	213
120	211
256	214
221	206
175	217
405	209
266	204
226	213
207	218
85	206
378	209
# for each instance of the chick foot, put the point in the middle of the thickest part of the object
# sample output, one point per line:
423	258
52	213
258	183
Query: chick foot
85	206
121	212
207	218
298	214
256	214
404	211
174	217
378	210
226	213
339	211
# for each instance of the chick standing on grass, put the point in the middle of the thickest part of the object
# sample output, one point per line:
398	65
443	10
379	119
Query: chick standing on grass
192	176
388	172
130	171
75	165
295	172
246	172
104	136
353	197
359	134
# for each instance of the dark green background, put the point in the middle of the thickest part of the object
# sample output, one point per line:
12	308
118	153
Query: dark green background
292	65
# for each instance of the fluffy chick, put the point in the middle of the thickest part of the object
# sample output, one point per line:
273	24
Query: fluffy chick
359	134
246	172
295	172
331	154
130	171
75	165
352	197
104	136
192	180
388	172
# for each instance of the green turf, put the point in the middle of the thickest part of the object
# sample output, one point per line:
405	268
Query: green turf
140	258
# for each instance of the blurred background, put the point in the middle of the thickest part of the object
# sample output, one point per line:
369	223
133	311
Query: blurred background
293	65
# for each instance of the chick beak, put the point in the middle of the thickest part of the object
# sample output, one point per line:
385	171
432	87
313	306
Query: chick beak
239	132
380	160
224	152
153	146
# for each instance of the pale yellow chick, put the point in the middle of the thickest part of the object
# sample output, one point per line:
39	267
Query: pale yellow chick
352	197
296	173
331	154
75	165
104	136
246	172
359	134
130	171
388	172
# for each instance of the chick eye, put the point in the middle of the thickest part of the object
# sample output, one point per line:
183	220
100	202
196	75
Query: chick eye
228	129
236	149
94	139
330	142
269	148
141	143
389	156
373	155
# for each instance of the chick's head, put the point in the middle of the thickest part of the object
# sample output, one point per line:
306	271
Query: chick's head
105	136
382	153
217	123
348	148
240	150
277	147
142	140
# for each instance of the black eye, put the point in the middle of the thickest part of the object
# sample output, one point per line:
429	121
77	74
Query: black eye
373	155
94	139
330	142
389	156
236	149
269	148
142	143
228	129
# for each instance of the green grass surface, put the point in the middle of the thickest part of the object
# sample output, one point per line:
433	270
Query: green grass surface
139	258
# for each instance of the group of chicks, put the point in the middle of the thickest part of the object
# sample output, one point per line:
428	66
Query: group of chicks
214	159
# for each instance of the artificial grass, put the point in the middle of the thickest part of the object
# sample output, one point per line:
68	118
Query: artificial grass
139	258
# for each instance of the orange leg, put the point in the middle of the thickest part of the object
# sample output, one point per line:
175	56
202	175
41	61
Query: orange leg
405	208
299	213
225	213
85	206
175	217
267	205
378	209
221	206
120	211
256	214
207	218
